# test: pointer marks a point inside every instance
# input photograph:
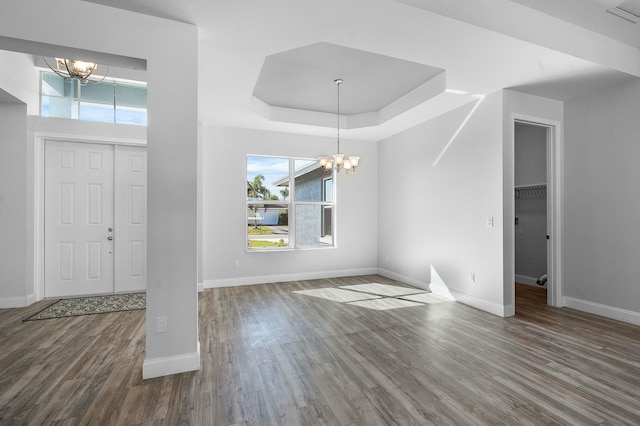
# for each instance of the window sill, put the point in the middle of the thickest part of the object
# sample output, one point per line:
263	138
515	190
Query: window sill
288	249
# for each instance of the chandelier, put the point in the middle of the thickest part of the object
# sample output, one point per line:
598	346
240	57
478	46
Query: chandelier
337	160
80	70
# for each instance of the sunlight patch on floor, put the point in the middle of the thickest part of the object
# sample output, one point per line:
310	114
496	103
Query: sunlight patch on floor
385	304
380	297
337	295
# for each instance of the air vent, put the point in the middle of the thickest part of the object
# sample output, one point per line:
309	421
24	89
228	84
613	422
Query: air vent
628	10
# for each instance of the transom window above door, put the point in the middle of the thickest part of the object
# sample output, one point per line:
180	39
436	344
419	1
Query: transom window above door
110	100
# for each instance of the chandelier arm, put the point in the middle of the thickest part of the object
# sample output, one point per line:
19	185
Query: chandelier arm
54	69
92	70
60	74
98	81
70	74
80	77
66	65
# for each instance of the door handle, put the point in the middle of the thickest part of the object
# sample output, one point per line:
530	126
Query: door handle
109	238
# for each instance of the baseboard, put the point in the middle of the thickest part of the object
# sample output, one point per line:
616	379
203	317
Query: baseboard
484	305
17	302
532	281
442	290
171	365
266	279
31	298
509	310
606	311
524	279
200	287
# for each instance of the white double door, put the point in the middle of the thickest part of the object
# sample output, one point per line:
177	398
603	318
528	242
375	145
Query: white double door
95	218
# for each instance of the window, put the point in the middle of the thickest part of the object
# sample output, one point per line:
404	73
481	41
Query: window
108	101
290	203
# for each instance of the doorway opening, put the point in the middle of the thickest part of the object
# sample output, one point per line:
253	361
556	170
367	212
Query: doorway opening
536	223
530	192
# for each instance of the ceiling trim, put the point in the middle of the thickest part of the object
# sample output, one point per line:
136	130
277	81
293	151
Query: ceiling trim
426	91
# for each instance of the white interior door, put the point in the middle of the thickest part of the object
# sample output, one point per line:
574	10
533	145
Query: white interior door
131	218
79	181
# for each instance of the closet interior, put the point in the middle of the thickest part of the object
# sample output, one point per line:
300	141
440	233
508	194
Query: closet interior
530	194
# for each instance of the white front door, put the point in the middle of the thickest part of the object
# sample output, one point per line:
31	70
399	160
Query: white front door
95	218
131	218
78	218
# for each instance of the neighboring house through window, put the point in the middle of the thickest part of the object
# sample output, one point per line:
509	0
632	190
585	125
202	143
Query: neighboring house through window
290	203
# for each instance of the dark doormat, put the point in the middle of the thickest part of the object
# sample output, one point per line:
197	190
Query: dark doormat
91	305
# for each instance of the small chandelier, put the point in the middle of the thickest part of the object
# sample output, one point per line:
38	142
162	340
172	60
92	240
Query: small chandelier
80	70
337	160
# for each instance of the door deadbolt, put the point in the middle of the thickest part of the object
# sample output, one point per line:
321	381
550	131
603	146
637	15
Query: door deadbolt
110	229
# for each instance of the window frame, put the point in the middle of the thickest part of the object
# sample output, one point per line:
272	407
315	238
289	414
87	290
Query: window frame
325	206
292	206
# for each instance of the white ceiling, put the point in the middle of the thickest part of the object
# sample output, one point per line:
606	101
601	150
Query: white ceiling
591	14
303	78
298	86
483	45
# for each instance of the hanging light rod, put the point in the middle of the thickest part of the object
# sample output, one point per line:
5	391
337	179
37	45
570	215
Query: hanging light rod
337	160
79	70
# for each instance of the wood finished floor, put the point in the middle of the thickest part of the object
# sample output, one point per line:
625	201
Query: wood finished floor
270	356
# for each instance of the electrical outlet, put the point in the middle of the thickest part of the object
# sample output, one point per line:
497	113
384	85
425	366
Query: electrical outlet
472	277
161	325
236	263
490	222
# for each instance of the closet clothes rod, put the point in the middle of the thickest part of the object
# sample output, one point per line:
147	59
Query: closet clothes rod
531	191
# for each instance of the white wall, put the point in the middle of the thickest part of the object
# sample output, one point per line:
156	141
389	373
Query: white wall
602	202
224	210
18	97
530	154
19	77
433	217
14	280
434	209
61	127
172	136
531	206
